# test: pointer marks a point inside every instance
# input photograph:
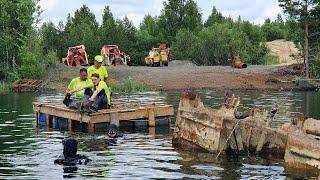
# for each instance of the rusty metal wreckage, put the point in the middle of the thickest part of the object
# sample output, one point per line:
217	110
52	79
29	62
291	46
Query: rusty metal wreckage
226	130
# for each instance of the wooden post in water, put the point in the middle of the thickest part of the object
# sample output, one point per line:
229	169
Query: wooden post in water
114	118
91	127
37	119
151	117
70	124
49	119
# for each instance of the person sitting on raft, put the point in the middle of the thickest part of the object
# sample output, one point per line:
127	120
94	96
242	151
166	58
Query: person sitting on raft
99	98
77	87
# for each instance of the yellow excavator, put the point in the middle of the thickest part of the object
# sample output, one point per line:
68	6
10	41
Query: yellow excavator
157	57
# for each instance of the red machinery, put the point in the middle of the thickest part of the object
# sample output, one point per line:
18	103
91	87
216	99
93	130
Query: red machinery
76	56
113	56
164	48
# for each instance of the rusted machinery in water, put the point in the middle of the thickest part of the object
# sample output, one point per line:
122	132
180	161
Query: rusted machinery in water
237	62
226	130
26	85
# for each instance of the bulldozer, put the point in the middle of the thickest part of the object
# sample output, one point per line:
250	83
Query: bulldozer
77	55
113	56
158	56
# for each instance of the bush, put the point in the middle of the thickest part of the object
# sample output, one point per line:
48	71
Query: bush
51	59
129	86
32	65
212	46
271	60
5	87
185	44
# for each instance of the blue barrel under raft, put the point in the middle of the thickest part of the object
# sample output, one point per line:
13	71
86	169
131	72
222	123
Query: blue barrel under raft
58	122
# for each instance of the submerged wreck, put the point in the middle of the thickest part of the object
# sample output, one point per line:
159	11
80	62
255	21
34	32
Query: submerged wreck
225	130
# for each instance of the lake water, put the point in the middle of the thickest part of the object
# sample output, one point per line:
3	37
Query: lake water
28	153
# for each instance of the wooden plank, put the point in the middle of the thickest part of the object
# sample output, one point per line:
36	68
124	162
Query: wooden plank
142	112
151	118
64	113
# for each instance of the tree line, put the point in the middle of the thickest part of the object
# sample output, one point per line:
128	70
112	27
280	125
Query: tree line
27	51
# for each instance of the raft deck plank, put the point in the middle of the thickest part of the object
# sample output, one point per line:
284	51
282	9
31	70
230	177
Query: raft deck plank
115	115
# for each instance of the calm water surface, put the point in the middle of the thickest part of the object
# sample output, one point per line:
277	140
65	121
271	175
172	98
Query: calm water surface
28	153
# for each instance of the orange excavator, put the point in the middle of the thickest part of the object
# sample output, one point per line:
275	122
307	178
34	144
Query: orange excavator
76	56
113	56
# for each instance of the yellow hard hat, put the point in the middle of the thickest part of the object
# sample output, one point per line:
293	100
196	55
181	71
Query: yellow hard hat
98	58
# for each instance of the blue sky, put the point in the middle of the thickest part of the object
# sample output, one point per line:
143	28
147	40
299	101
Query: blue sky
253	10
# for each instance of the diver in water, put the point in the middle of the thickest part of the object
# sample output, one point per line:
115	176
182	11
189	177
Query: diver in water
113	134
71	158
113	131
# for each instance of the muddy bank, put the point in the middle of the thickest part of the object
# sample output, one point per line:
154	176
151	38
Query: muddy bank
185	75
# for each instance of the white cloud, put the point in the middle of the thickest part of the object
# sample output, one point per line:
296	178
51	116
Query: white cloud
253	10
48	5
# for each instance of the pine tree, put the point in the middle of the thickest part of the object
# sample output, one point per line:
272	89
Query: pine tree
302	11
179	14
215	17
108	28
83	29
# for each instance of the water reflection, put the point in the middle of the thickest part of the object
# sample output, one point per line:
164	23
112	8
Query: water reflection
28	153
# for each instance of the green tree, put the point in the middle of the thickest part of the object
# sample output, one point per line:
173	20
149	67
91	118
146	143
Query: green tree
83	29
273	30
179	14
211	46
50	37
108	28
150	25
16	20
192	19
302	11
215	17
33	64
185	45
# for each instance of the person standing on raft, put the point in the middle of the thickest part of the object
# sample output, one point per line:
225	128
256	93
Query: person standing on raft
97	68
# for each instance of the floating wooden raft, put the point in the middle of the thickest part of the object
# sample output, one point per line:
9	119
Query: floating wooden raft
26	85
119	113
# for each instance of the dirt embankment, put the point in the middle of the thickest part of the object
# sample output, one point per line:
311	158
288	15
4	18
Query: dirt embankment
186	75
287	51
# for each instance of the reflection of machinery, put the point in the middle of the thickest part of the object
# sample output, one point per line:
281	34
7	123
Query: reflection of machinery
76	56
113	56
158	56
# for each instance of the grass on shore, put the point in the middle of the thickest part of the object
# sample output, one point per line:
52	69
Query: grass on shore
271	60
128	86
5	87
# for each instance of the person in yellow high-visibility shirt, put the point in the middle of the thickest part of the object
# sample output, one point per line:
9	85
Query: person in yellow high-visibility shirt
97	68
100	97
77	87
